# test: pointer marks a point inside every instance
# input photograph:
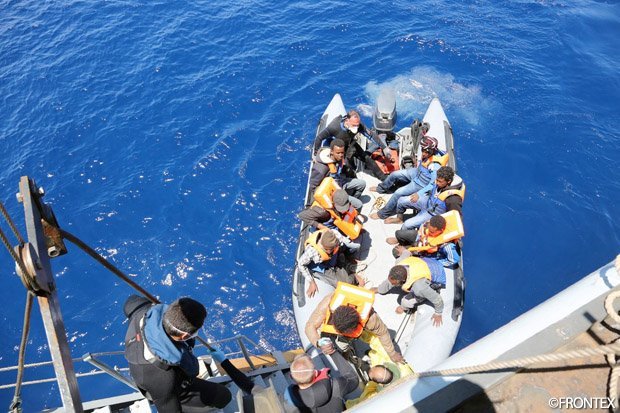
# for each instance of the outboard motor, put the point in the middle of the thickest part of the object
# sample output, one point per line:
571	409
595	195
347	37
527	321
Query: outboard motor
384	117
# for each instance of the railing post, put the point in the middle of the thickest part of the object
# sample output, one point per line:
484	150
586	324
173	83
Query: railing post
246	355
89	358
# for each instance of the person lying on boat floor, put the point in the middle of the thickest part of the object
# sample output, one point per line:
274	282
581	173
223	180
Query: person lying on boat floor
421	279
329	162
379	377
346	128
344	315
405	182
447	194
432	240
319	390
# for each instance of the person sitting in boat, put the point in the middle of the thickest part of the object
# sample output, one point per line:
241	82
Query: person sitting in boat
337	212
421	279
434	239
318	390
159	348
320	259
346	128
329	162
447	194
412	180
346	314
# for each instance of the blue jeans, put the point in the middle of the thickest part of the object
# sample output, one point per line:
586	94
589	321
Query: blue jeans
420	218
402	177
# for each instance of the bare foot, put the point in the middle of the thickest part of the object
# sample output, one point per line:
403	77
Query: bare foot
374	215
392	220
400	310
373	188
391	240
361	281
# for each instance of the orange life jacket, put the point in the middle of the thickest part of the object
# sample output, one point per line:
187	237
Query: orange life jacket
440	159
348	222
449	192
359	298
313	240
453	231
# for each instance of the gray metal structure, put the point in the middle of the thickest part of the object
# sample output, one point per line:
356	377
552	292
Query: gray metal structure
35	212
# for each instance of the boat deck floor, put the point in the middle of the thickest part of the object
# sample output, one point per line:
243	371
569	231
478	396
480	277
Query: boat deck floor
532	390
378	255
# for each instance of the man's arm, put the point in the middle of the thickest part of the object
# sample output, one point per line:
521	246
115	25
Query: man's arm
376	326
327	132
316	320
383	288
451	256
454	203
314	216
422	288
348	379
317	174
133	303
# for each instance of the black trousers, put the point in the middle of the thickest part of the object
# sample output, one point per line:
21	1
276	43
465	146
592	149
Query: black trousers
356	152
406	237
202	394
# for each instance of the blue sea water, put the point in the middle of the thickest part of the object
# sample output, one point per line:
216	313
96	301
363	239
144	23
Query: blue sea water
173	137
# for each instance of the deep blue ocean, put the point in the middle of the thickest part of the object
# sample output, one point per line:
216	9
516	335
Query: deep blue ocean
173	137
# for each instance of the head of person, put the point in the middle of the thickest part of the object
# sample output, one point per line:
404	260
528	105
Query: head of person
352	122
445	175
302	369
436	225
328	241
341	201
380	374
398	275
183	318
336	149
345	319
428	144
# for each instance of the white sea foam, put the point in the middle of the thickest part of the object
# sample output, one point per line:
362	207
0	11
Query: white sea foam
415	90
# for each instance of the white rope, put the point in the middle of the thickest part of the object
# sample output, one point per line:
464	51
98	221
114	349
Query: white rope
607	350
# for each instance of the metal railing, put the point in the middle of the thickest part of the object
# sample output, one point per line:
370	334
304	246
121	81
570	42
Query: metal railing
121	374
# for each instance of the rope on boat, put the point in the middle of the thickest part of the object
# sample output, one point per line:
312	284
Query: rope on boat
25	276
16	403
610	351
525	361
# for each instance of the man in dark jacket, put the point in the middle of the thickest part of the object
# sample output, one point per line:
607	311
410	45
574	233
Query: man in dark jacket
330	162
317	391
159	348
346	128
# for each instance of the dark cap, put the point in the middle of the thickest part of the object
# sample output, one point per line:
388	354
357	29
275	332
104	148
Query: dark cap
329	240
341	200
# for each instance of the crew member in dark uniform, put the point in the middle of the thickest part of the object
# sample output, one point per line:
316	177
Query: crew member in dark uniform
345	128
159	348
